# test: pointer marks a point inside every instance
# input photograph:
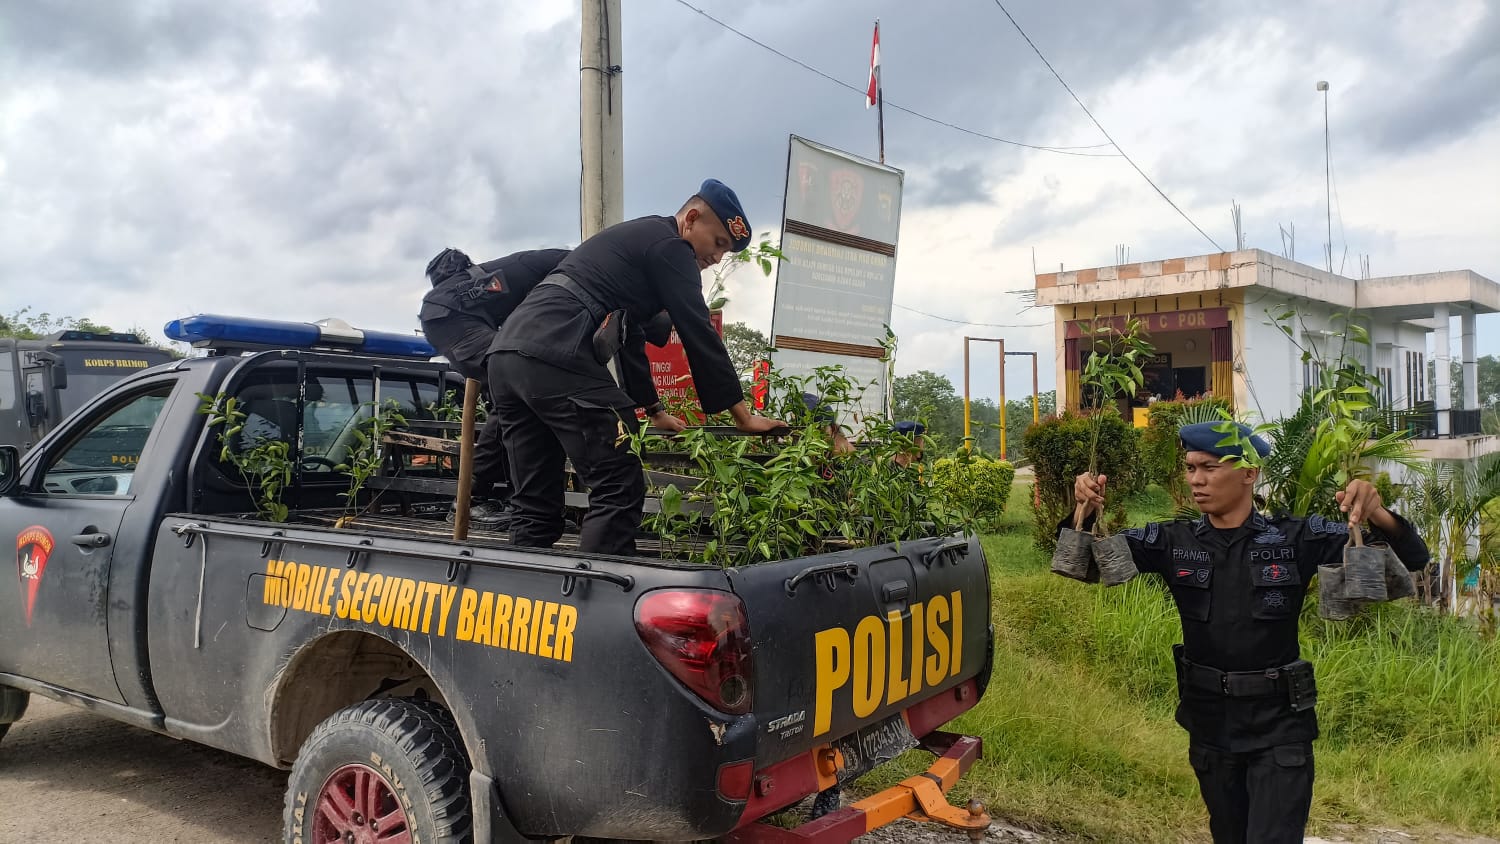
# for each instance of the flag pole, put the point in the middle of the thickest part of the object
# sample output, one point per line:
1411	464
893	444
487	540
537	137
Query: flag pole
879	100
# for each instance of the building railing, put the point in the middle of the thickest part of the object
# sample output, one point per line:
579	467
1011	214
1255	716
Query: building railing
1423	423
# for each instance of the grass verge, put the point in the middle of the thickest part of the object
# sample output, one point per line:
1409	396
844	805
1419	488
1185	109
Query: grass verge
1078	729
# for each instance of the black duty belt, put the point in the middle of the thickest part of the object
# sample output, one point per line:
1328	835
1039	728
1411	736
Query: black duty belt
585	298
1294	680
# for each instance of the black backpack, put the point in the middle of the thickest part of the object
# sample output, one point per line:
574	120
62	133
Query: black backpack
459	284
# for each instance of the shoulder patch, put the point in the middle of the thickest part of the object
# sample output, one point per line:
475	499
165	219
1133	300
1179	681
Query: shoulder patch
1147	534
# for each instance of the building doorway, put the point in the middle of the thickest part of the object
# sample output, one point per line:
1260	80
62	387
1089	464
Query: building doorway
1190	380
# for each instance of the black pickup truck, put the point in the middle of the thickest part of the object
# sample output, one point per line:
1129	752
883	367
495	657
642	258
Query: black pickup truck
423	689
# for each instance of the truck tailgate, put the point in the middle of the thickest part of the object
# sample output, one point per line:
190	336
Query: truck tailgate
846	641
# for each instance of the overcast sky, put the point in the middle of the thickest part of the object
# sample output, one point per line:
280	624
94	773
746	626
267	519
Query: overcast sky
296	160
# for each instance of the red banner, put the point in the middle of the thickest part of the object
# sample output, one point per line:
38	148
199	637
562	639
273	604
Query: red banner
761	385
1202	318
669	366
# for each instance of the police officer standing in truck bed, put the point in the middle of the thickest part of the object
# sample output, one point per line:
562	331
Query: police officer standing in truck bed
467	304
1238	578
555	396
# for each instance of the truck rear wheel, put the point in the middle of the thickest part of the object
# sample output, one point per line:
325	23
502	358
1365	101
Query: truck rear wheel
12	707
390	769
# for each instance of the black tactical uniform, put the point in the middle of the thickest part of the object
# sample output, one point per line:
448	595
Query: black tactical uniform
555	397
1244	694
460	316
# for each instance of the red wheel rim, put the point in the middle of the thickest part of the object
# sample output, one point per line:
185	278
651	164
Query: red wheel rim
358	806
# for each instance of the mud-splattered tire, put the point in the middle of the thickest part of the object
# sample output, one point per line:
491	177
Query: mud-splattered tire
377	766
12	707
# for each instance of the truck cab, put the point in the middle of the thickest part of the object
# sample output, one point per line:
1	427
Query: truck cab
43	381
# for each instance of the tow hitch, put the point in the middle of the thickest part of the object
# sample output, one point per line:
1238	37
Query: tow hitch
919	798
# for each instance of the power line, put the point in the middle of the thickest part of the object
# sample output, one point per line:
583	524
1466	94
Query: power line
967	322
1060	150
1101	128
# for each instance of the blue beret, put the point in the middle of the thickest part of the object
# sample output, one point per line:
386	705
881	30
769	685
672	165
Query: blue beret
727	206
821	412
910	429
1201	436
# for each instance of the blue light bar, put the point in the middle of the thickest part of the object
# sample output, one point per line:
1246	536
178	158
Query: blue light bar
391	344
212	328
226	332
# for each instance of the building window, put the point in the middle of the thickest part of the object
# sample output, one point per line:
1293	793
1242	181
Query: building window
1416	378
1387	378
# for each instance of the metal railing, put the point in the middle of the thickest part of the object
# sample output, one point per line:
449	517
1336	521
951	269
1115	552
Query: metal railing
1422	424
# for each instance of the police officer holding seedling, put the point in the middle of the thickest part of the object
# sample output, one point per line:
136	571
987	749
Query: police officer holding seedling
556	398
1238	579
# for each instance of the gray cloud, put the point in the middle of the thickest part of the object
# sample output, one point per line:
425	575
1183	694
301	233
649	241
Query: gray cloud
286	159
953	185
1449	100
108	39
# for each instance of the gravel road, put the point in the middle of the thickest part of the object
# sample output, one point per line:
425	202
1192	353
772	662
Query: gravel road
69	775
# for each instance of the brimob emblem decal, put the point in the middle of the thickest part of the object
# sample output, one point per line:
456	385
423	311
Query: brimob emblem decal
33	548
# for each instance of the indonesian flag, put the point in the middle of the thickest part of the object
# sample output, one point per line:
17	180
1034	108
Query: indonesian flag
874	89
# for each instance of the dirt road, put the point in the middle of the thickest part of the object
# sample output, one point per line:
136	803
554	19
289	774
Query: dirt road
68	775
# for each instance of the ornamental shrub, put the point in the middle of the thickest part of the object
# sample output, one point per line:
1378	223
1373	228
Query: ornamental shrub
1059	451
974	485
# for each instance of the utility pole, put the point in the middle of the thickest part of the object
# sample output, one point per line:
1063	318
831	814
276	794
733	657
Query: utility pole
601	124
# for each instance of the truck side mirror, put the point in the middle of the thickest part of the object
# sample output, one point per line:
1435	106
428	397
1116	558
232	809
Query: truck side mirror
10	468
59	375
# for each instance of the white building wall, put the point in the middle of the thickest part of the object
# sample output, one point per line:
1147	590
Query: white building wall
1268	368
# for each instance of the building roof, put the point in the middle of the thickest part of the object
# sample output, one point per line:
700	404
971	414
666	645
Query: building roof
1406	297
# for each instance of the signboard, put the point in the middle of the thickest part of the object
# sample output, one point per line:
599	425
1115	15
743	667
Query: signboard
1155	323
834	290
841	192
1159	379
669	366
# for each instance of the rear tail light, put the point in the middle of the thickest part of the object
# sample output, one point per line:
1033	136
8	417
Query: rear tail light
702	637
734	780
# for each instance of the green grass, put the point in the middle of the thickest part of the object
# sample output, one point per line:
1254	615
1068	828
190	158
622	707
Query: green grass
1077	720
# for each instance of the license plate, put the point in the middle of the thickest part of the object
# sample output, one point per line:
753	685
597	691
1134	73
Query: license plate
873	746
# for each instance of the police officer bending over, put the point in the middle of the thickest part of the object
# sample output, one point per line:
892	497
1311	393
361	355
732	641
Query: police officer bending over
1238	579
554	395
460	315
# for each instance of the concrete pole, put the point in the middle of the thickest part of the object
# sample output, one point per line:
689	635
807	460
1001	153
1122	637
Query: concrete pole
601	124
1442	355
1471	363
